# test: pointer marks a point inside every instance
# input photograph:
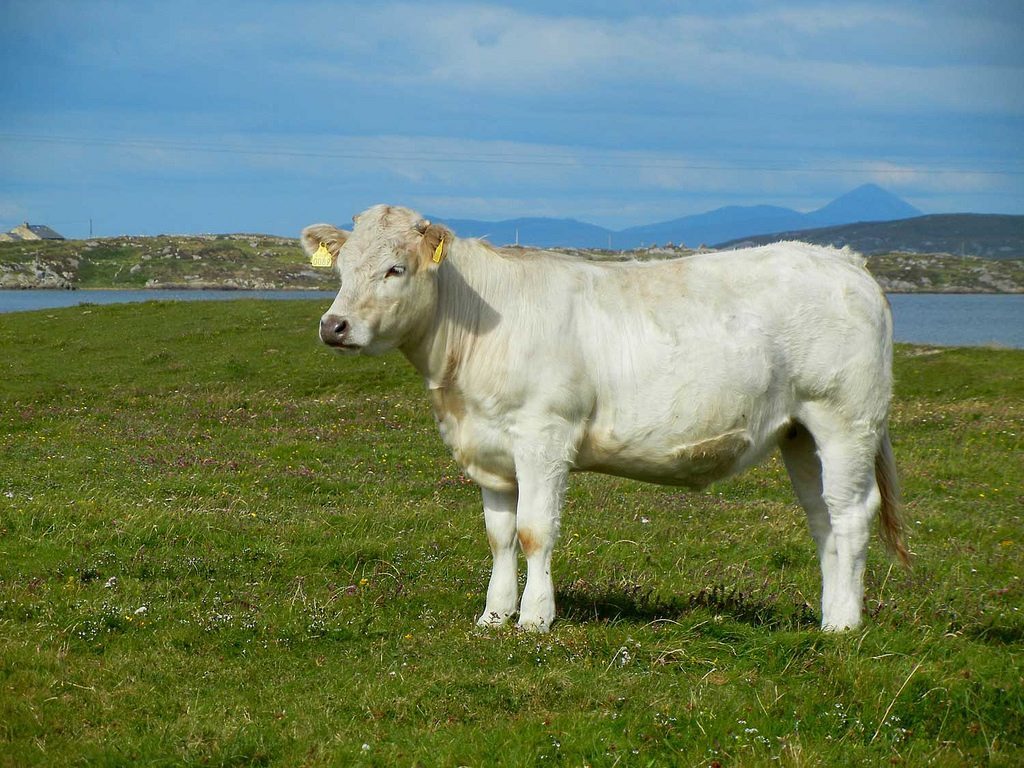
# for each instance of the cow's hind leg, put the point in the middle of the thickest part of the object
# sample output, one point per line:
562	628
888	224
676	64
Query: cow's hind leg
851	493
833	473
503	588
799	453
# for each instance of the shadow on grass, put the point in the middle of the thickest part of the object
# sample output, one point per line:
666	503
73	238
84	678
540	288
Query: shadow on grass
583	602
996	634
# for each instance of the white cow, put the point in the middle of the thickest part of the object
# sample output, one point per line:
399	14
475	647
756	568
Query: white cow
677	372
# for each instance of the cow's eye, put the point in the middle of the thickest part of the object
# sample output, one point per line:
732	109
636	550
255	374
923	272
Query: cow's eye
395	271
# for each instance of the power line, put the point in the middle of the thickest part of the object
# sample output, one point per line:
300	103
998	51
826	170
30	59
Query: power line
489	158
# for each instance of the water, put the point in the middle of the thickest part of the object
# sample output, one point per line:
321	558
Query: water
959	320
922	318
21	301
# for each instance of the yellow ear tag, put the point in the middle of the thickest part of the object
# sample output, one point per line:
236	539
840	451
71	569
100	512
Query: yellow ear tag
322	257
437	252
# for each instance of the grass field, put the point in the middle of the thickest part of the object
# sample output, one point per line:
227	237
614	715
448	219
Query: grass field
221	545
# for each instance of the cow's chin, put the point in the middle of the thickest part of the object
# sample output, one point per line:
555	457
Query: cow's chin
376	347
346	350
370	349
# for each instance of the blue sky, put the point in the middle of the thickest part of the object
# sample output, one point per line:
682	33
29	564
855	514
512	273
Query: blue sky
153	117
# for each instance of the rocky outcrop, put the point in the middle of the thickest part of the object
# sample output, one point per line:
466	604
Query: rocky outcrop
194	282
33	275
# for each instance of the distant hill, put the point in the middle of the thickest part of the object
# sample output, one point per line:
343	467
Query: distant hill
712	226
991	236
244	262
264	262
538	232
866	203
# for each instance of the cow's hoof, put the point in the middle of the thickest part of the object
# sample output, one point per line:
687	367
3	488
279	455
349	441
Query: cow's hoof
534	625
840	627
839	620
493	619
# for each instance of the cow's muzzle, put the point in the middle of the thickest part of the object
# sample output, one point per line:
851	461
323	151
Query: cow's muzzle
334	332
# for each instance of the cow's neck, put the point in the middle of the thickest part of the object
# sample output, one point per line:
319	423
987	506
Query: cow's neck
468	308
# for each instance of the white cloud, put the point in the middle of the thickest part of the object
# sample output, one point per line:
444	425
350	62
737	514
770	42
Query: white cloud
895	58
810	50
422	162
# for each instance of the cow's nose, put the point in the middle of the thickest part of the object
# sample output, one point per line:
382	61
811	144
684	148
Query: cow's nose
333	329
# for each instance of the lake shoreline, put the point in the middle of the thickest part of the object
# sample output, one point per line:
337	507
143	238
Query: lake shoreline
155	288
943	319
924	291
234	289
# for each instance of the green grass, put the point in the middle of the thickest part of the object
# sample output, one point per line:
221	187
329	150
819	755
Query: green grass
222	545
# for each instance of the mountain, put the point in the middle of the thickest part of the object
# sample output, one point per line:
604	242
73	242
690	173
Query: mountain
865	203
710	227
538	232
991	236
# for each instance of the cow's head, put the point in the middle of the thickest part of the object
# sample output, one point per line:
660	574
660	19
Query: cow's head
387	266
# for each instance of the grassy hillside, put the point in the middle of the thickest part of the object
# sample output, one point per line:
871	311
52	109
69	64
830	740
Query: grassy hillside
990	236
262	262
222	545
942	273
207	261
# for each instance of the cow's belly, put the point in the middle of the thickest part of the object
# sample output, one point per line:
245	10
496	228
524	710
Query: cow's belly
691	464
480	446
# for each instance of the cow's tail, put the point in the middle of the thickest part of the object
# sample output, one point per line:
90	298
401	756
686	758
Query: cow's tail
890	524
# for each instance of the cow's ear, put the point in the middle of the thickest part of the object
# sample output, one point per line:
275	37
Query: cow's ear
327	234
435	240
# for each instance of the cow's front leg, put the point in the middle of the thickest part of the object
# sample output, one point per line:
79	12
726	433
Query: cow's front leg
541	491
502	590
